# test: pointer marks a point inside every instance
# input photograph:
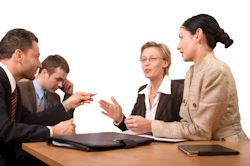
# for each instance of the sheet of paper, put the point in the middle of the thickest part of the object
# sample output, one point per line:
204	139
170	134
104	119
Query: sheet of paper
161	139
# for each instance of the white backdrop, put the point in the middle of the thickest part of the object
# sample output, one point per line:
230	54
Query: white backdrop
101	40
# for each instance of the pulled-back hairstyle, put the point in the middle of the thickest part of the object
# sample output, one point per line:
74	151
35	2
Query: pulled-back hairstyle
165	52
210	28
54	61
16	39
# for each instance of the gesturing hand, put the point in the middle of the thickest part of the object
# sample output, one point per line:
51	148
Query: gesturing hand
113	111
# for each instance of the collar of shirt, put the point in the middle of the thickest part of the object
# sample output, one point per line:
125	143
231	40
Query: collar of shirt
164	88
10	77
199	67
38	88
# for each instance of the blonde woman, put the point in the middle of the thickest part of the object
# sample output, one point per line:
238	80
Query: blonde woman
159	99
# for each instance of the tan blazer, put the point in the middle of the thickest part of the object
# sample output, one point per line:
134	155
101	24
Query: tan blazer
28	96
209	108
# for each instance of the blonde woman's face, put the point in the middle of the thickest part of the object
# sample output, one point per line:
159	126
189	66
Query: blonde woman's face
152	63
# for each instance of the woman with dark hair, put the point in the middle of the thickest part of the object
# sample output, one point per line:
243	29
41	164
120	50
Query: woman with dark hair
209	109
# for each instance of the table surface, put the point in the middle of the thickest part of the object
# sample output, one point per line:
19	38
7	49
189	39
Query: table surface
156	153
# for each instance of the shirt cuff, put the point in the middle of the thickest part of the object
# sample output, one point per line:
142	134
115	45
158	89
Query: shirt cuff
66	105
118	123
50	130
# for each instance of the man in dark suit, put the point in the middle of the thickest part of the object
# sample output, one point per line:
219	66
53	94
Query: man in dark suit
52	75
19	58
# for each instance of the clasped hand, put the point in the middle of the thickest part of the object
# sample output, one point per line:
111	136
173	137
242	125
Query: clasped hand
138	124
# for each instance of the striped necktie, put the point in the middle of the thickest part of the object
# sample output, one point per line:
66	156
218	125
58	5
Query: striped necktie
13	104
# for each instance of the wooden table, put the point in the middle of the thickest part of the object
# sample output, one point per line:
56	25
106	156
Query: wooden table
153	154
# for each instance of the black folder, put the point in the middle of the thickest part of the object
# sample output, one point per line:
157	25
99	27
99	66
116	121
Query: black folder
207	150
99	141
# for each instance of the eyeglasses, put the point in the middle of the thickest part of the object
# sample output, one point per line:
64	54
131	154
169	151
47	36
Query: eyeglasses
150	59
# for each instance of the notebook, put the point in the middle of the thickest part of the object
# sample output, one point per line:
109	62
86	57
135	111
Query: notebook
99	141
207	150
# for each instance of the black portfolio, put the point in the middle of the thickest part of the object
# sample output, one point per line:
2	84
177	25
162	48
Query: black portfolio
99	141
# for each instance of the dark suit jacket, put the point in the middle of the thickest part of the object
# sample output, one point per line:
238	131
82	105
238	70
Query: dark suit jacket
28	96
167	109
23	129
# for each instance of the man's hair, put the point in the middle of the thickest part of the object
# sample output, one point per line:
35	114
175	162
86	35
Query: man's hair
54	61
16	39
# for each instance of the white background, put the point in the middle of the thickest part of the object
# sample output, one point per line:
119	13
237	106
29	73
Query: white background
101	40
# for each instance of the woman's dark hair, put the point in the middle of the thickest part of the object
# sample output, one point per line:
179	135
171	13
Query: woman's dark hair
210	28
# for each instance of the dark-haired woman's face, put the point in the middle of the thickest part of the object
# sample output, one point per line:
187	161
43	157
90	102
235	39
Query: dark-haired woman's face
186	44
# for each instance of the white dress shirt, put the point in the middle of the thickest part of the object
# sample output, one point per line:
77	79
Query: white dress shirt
164	88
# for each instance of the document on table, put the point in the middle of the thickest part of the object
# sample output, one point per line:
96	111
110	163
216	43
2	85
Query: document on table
160	139
163	139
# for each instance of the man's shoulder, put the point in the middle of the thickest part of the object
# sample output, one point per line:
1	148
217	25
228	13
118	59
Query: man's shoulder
25	85
24	82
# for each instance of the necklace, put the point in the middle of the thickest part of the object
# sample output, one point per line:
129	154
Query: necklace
153	94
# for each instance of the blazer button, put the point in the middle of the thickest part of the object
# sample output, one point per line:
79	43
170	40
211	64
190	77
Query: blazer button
194	105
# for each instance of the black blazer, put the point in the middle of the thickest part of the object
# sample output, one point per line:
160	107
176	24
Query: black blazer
167	109
28	96
12	133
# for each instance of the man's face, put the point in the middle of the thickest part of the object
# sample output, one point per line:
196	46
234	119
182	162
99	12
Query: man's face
30	62
55	80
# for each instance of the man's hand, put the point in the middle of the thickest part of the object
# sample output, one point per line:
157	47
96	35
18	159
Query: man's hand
67	88
64	128
79	98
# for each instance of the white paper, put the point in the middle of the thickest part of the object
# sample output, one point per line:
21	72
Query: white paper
163	139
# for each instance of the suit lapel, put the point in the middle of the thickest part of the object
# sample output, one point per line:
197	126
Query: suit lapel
53	99
7	88
163	102
32	94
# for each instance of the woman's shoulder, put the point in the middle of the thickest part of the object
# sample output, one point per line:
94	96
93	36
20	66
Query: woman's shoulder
177	85
142	87
219	66
178	81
